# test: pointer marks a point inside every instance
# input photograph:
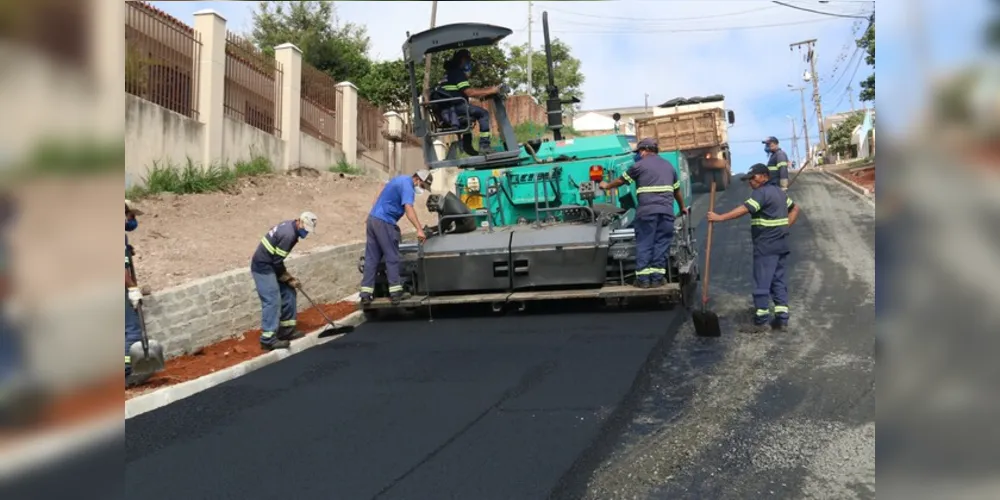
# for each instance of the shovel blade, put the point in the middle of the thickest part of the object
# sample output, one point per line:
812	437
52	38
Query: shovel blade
330	331
706	323
143	364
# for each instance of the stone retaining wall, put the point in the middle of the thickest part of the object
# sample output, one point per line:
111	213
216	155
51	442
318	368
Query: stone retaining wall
188	317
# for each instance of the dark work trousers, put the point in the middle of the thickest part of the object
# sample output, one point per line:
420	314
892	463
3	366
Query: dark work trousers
769	284
382	243
653	234
133	331
277	306
476	113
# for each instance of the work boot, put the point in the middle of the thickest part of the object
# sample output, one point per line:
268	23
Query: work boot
642	284
277	344
779	324
397	297
657	283
366	299
755	328
289	333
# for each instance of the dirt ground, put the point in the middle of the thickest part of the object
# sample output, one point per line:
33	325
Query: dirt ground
864	177
233	351
181	238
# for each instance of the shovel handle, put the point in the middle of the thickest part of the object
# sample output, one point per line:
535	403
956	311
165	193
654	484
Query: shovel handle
320	309
708	243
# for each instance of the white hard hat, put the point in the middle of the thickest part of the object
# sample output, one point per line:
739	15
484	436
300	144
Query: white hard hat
308	220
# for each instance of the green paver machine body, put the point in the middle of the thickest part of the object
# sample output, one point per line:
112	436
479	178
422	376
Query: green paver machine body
528	222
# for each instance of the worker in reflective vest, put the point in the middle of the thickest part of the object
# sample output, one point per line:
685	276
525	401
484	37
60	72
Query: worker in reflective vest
777	163
772	212
275	286
657	186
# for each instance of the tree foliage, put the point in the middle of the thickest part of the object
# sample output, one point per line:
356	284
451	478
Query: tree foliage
340	51
838	139
867	42
566	69
993	29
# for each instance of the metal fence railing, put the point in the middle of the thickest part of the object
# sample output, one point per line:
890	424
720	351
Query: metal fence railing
371	123
321	99
161	59
253	85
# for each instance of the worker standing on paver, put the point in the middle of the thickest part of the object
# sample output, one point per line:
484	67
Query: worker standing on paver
383	234
771	213
657	186
275	287
777	163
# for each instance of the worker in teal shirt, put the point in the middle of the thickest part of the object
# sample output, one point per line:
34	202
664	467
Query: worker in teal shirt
383	234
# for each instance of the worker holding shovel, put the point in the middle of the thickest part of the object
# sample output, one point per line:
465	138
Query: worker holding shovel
149	357
771	213
275	286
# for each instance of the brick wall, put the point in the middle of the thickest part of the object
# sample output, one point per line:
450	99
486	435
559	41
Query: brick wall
520	109
200	313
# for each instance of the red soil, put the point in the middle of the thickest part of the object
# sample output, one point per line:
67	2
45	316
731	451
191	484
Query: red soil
233	351
864	177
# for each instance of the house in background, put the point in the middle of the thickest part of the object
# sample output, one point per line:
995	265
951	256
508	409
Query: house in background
600	121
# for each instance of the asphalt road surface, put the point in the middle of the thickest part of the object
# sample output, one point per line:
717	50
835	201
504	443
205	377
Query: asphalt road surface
576	404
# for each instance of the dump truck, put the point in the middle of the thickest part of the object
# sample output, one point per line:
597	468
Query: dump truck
527	222
698	127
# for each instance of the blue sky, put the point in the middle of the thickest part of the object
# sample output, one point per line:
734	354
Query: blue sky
631	48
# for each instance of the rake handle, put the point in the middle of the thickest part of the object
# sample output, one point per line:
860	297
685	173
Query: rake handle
316	307
708	244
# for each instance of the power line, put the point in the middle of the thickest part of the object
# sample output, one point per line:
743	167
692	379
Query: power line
655	20
846	69
818	11
848	91
690	30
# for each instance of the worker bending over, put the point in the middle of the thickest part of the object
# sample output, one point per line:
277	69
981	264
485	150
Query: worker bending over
275	287
383	234
457	72
777	163
657	186
771	213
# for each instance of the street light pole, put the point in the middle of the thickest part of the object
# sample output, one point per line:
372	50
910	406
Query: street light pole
805	118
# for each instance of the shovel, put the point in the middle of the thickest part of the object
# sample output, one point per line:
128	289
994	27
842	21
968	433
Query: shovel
146	355
333	328
706	323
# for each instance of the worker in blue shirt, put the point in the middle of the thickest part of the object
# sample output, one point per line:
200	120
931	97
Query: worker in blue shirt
456	84
772	212
777	163
657	186
275	286
383	234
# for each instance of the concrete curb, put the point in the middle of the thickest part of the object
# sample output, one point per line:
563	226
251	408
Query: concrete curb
43	449
853	186
162	397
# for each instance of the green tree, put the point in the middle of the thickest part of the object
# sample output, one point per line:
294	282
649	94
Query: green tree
387	84
867	42
838	139
490	67
993	30
340	51
568	76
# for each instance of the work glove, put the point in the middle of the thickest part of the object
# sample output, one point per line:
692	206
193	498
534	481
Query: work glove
135	296
294	283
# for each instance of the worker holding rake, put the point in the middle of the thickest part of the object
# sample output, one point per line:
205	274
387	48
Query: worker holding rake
772	212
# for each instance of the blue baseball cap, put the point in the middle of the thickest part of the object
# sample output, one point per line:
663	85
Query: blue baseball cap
647	143
757	168
770	140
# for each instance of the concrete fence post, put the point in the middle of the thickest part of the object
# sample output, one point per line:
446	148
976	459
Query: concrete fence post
290	58
212	82
348	112
394	124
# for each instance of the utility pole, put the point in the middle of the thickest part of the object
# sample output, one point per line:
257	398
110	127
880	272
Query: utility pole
795	144
427	58
531	53
647	104
811	57
850	93
805	119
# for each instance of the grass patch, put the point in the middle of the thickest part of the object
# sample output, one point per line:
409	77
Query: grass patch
343	167
194	179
